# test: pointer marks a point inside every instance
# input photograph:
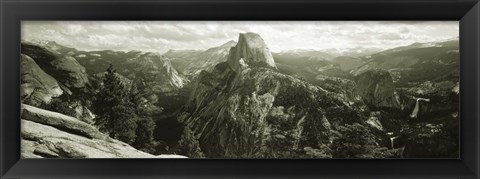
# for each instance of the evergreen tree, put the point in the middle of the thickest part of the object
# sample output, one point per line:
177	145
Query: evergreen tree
61	105
115	112
124	122
357	141
144	135
189	145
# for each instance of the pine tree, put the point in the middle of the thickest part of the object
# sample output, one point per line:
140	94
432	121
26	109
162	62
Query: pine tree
124	122
115	112
354	142
144	135
189	145
357	141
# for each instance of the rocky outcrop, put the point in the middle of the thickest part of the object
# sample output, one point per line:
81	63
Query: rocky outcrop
37	87
249	116
256	111
377	89
250	50
47	134
59	121
65	69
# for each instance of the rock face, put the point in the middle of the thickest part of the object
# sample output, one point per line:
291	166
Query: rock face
67	78
37	87
255	111
65	69
376	88
250	50
47	134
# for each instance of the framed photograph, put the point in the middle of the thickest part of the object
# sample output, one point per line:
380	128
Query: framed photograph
240	89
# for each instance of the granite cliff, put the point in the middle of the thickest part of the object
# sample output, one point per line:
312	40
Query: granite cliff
246	108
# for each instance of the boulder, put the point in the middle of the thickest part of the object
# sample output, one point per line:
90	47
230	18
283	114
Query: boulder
58	120
46	134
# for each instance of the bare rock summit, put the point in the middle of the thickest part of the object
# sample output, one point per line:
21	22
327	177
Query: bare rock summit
250	50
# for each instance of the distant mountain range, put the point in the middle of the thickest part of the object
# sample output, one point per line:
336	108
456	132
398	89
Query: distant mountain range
416	63
191	63
329	54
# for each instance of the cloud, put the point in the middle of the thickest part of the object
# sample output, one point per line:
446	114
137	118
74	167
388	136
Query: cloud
160	36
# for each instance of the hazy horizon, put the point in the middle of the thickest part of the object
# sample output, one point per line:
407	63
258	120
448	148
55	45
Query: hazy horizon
161	36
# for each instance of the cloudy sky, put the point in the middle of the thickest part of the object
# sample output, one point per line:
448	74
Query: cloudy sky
160	36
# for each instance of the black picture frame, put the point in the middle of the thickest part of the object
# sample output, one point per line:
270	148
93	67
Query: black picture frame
14	11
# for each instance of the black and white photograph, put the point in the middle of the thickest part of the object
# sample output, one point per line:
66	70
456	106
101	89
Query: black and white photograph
240	89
